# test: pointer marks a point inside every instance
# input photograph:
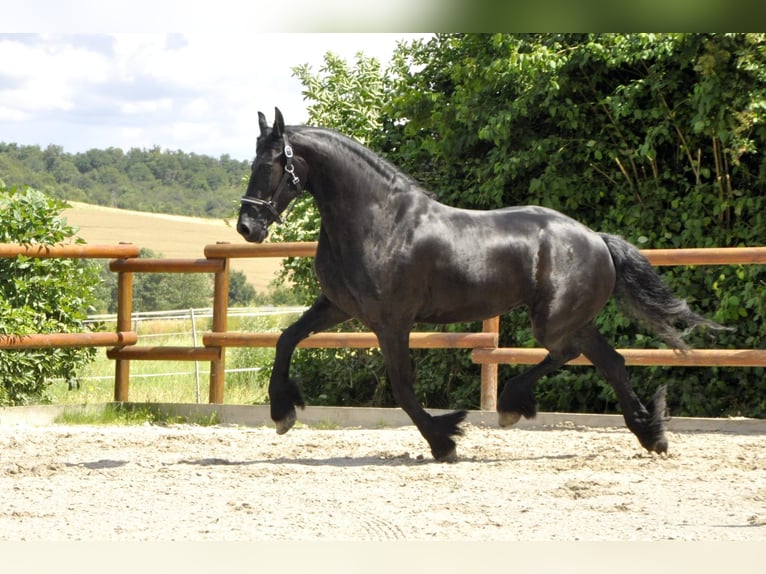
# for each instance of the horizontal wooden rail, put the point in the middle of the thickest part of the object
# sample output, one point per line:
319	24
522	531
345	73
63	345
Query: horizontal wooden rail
484	345
51	340
664	257
167	265
238	250
125	261
661	357
645	357
353	340
70	251
165	353
706	256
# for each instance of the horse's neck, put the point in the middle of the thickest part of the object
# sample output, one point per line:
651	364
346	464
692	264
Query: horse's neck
350	207
342	183
357	196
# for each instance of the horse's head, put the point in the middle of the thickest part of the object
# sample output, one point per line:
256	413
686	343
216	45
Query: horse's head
277	177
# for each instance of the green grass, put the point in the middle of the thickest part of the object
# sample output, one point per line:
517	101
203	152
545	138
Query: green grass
326	425
110	414
179	384
121	414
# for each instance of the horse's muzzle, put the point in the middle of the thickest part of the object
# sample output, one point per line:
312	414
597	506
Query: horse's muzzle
253	230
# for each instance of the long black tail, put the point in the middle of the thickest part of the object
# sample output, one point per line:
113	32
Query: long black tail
645	296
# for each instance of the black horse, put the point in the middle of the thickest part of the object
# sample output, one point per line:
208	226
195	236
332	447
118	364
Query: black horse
390	255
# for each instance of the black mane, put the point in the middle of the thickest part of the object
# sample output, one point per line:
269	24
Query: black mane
344	144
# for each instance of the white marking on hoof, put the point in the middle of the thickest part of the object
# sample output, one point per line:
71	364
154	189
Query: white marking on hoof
508	419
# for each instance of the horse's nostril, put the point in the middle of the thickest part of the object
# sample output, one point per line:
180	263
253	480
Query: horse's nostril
243	229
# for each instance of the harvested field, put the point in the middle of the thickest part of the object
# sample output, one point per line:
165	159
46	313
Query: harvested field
172	236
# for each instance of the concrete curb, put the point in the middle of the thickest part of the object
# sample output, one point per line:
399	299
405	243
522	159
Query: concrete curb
367	417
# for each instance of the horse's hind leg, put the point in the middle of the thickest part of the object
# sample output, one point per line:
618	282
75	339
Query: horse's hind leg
647	423
284	393
437	430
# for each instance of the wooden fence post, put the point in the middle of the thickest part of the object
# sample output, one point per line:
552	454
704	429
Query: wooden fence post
124	314
220	319
489	371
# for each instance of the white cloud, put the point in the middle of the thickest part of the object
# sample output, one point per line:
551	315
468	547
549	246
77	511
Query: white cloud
197	107
47	75
224	17
146	106
199	92
12	115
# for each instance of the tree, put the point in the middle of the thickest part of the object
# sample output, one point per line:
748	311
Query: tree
40	296
617	128
157	291
653	136
144	180
241	293
347	98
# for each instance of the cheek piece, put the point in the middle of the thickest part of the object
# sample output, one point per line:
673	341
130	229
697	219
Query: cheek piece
289	177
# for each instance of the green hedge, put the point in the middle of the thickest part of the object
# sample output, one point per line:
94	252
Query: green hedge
655	137
40	296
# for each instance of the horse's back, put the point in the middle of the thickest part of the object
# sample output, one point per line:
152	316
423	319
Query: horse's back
480	263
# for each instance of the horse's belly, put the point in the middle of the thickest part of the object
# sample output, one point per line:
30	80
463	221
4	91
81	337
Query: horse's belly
462	314
458	298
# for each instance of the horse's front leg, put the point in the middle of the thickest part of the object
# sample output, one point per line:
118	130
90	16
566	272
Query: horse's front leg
284	393
439	430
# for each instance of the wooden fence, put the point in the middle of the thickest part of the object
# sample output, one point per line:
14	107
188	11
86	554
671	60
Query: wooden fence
123	336
483	345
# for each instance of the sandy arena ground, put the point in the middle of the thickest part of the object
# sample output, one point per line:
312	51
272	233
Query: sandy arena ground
154	483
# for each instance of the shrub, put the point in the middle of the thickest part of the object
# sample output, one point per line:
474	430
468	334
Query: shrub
40	296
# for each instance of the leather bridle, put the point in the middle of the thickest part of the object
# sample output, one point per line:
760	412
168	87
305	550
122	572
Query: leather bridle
289	177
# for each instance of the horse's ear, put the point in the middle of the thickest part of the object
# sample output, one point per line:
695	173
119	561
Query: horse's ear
262	123
279	123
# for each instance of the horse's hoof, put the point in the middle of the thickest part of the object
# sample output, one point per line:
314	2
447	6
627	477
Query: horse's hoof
443	449
507	419
450	456
286	423
658	445
661	446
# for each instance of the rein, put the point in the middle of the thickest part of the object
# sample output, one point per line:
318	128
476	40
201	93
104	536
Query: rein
271	204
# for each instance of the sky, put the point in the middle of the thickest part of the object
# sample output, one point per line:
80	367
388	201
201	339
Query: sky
197	91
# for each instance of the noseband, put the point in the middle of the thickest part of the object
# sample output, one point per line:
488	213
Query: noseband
289	174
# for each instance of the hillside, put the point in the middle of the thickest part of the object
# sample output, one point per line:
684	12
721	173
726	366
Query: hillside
170	235
150	180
